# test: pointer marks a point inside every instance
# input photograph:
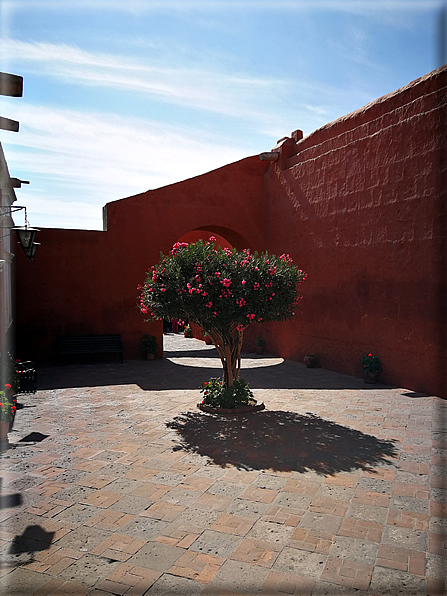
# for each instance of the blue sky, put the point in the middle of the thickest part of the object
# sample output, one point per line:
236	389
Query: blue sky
125	96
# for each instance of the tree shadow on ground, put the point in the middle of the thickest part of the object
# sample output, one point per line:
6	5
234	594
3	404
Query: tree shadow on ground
282	441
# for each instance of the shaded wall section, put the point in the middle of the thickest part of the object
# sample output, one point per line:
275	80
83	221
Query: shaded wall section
85	282
360	205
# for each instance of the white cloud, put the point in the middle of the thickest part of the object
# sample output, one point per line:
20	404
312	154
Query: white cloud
206	89
68	156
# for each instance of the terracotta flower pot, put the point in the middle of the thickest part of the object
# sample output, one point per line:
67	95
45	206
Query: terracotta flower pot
370	376
4	429
310	360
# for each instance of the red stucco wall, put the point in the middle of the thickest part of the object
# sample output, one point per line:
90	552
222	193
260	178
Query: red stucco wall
84	282
360	207
359	204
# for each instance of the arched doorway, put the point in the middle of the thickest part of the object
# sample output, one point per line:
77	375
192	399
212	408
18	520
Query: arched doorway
226	238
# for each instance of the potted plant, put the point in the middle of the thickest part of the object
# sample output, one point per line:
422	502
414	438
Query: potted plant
7	414
371	368
208	339
187	331
259	345
150	346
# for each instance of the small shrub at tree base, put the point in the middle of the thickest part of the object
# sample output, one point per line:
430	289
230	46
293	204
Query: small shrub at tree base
218	396
222	291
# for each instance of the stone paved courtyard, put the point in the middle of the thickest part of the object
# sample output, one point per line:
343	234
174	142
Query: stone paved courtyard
115	483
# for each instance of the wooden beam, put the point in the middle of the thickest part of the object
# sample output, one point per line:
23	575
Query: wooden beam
7	124
11	85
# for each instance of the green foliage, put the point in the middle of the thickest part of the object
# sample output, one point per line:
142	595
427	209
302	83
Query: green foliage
220	289
371	363
10	375
217	395
7	408
150	344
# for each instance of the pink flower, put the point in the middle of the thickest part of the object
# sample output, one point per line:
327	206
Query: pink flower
243	282
226	282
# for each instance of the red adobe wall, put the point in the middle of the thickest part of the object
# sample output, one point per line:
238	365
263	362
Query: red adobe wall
84	282
360	205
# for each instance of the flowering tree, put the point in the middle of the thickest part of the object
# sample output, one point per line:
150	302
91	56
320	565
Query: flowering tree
223	291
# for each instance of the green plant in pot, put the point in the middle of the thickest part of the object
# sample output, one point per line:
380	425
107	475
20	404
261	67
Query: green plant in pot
150	346
187	332
259	345
7	414
371	368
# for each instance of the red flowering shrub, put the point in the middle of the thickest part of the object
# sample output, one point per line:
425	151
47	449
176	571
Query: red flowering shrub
222	291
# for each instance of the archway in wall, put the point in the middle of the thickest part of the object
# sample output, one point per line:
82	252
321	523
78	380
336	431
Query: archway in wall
226	238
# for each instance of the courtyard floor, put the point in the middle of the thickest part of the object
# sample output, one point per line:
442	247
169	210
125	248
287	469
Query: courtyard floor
116	484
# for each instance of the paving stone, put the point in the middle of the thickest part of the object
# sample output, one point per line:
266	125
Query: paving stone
20	582
286	583
131	504
247	508
294	500
277	534
227	489
376	485
145	528
219	544
412	539
88	570
167	478
156	556
392	582
370	513
269	481
354	549
409	504
321	525
299	562
238	577
325	588
193	520
348	573
173	585
181	496
332	491
83	539
438	525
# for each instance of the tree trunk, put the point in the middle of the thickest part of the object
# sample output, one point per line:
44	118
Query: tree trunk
229	349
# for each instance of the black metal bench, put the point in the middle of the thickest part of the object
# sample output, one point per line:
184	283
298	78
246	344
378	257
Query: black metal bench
69	345
27	377
26	374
